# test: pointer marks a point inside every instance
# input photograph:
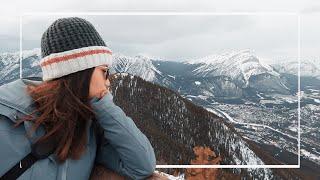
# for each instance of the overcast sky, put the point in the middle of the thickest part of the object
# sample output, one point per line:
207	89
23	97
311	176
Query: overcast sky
270	37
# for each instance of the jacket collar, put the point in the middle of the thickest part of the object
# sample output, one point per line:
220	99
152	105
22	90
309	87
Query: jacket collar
14	95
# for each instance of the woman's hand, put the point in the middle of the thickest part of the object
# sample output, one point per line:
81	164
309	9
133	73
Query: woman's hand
105	91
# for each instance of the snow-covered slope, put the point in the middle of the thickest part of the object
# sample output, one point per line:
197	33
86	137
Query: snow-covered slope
174	126
310	68
10	63
14	57
138	65
238	65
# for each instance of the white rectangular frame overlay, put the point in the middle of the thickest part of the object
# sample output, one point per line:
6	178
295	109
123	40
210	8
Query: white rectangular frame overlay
196	14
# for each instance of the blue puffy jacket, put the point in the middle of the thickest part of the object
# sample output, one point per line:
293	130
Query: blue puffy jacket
124	148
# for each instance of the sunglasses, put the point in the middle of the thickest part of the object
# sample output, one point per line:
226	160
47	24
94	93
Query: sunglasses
107	74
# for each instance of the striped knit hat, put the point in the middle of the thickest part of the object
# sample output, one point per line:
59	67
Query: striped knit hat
70	45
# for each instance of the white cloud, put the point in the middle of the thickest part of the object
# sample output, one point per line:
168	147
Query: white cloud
180	37
310	36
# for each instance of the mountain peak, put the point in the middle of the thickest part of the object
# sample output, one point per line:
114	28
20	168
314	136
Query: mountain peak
224	56
238	65
139	65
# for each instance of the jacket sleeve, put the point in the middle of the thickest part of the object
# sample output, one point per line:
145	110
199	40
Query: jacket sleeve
124	148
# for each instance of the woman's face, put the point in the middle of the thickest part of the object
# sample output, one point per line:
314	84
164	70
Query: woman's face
99	85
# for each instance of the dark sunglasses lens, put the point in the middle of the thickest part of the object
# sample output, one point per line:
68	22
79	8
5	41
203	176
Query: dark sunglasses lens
107	74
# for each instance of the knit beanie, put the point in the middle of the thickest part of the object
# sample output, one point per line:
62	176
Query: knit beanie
70	45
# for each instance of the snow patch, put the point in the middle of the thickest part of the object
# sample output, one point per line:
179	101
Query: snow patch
317	101
309	155
197	83
172	76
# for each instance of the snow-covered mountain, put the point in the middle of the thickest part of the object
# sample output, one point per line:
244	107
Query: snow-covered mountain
139	65
238	65
236	74
10	65
243	68
308	68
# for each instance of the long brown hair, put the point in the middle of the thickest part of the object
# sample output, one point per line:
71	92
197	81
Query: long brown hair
64	111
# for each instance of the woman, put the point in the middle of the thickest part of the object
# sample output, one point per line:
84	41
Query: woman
58	128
